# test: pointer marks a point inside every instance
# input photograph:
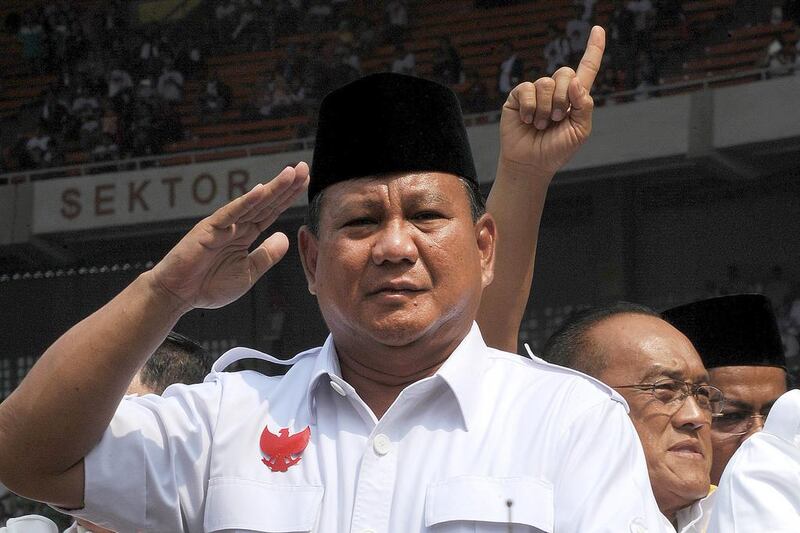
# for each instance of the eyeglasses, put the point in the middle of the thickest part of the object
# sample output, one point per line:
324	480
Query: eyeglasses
736	422
673	391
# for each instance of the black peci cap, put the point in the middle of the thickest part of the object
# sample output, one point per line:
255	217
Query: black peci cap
736	330
386	123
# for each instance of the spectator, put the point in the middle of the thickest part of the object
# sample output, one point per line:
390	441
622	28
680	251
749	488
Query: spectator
609	81
40	149
446	63
31	35
150	55
318	16
365	37
475	98
556	51
288	13
53	113
119	80
646	75
215	100
397	18
643	18
511	70
346	68
106	150
110	124
170	83
587	8
620	34
778	57
281	97
225	15
578	29
797	57
404	61
91	131
776	15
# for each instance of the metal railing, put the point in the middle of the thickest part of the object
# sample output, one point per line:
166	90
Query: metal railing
307	143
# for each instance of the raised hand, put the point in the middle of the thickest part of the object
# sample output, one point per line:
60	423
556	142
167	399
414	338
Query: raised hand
543	123
212	265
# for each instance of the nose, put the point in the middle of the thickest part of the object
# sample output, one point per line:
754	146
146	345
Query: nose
394	244
690	414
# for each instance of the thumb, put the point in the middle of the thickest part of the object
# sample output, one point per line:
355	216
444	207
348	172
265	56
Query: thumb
582	108
267	254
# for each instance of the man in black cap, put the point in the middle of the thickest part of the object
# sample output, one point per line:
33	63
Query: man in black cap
739	341
404	420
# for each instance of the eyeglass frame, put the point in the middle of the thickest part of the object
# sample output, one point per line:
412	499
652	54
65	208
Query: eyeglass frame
750	416
689	389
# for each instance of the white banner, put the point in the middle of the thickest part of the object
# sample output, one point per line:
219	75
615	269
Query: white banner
152	195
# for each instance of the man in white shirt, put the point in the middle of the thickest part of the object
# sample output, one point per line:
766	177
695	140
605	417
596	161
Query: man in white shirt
759	488
657	370
403	421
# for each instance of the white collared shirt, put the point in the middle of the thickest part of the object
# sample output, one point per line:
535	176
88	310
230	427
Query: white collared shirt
488	428
694	518
760	487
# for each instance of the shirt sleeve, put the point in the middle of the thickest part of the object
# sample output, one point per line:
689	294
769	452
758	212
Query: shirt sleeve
604	486
150	469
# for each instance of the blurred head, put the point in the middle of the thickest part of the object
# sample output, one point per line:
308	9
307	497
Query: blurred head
750	392
653	366
178	360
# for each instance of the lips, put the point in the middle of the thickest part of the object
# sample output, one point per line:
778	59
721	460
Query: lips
687	447
395	287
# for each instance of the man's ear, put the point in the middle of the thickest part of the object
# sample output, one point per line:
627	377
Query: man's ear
486	238
307	243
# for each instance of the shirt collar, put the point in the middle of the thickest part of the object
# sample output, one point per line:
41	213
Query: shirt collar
326	368
696	516
462	372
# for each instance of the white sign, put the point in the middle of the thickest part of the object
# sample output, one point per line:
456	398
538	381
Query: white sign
152	195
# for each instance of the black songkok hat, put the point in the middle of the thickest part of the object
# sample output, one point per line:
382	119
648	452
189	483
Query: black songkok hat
736	330
386	123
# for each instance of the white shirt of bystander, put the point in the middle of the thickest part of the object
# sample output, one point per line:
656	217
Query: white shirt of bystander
760	488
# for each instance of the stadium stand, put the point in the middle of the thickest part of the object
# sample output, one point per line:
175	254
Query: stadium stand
275	76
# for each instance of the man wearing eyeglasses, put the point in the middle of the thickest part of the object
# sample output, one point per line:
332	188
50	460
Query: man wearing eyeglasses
738	340
658	372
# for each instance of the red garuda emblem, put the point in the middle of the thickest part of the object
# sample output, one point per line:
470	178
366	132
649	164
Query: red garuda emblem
283	450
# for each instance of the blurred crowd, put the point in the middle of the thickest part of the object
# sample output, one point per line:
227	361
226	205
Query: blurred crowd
120	89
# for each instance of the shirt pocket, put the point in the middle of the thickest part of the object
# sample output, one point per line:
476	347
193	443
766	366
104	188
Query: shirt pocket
480	504
244	504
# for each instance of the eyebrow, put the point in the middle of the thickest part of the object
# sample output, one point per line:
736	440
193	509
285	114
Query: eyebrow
747	406
415	199
660	371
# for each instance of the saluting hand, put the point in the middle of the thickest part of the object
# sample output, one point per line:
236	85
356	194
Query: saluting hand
543	123
212	265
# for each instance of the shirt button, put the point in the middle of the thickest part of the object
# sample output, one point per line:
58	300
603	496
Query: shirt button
338	388
381	444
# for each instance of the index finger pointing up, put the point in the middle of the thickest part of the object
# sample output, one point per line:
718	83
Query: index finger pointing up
590	62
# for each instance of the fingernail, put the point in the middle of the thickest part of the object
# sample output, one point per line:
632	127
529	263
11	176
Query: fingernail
541	124
528	119
558	115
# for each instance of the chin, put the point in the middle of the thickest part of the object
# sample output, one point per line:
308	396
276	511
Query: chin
398	334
